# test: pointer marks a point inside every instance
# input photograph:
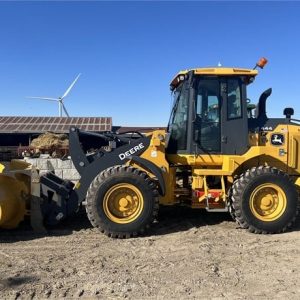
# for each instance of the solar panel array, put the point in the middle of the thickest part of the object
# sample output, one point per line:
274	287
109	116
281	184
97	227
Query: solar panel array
54	124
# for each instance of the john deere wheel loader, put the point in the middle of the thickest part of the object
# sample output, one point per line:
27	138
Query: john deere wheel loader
215	155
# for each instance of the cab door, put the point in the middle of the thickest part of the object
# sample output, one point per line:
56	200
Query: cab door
206	118
219	118
234	119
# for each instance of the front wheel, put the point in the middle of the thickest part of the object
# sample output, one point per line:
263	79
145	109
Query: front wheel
264	200
122	202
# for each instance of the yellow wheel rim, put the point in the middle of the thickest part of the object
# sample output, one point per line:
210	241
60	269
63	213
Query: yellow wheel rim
268	202
123	203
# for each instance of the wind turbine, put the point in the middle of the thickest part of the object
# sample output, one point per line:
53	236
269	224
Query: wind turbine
60	100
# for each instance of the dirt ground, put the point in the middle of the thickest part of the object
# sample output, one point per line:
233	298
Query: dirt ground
187	255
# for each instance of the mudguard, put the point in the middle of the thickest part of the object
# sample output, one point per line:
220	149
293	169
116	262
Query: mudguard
90	167
152	168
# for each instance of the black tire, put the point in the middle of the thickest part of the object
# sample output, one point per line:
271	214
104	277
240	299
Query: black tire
246	202
100	210
229	199
230	205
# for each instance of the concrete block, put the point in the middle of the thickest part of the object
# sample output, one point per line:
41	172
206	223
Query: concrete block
70	174
59	173
42	164
63	168
42	172
64	164
44	155
72	165
56	172
46	164
52	163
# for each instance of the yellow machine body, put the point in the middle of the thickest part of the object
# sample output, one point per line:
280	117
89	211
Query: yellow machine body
261	152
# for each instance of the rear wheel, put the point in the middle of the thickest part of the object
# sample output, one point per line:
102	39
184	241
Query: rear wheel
122	202
264	200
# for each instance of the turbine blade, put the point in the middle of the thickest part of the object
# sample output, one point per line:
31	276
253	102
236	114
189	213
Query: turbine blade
43	98
64	108
70	87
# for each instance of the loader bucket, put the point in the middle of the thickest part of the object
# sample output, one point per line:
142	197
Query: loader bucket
14	194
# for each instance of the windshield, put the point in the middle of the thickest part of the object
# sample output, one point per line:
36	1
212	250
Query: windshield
175	94
177	126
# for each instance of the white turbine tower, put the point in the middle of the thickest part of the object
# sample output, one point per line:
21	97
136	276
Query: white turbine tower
60	100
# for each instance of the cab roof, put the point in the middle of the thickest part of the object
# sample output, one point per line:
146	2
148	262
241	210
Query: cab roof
219	71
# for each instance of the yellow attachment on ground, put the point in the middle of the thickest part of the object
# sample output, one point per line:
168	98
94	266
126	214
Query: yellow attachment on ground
14	192
123	203
268	202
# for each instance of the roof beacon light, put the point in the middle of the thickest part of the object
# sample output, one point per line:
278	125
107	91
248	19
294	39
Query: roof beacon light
261	63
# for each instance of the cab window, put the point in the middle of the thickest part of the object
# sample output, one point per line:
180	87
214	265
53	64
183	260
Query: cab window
207	115
234	99
179	119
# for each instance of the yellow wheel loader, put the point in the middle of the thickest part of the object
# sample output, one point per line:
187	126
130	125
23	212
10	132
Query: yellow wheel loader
216	154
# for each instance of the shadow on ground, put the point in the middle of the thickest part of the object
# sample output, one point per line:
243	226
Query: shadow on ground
170	220
12	282
24	232
177	219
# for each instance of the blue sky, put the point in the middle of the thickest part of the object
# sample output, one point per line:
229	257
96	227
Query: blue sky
128	52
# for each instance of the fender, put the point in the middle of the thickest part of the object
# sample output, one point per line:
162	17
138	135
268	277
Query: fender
152	168
89	170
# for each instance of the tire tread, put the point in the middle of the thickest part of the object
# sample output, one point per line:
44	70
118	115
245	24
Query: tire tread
91	197
236	198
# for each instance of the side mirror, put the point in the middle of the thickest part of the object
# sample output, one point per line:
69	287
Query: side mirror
288	112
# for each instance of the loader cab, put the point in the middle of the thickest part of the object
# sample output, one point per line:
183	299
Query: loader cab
209	114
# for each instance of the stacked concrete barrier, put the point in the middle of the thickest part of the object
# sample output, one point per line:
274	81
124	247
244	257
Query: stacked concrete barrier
62	168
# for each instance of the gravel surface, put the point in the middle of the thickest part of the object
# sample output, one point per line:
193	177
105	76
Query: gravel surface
188	254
